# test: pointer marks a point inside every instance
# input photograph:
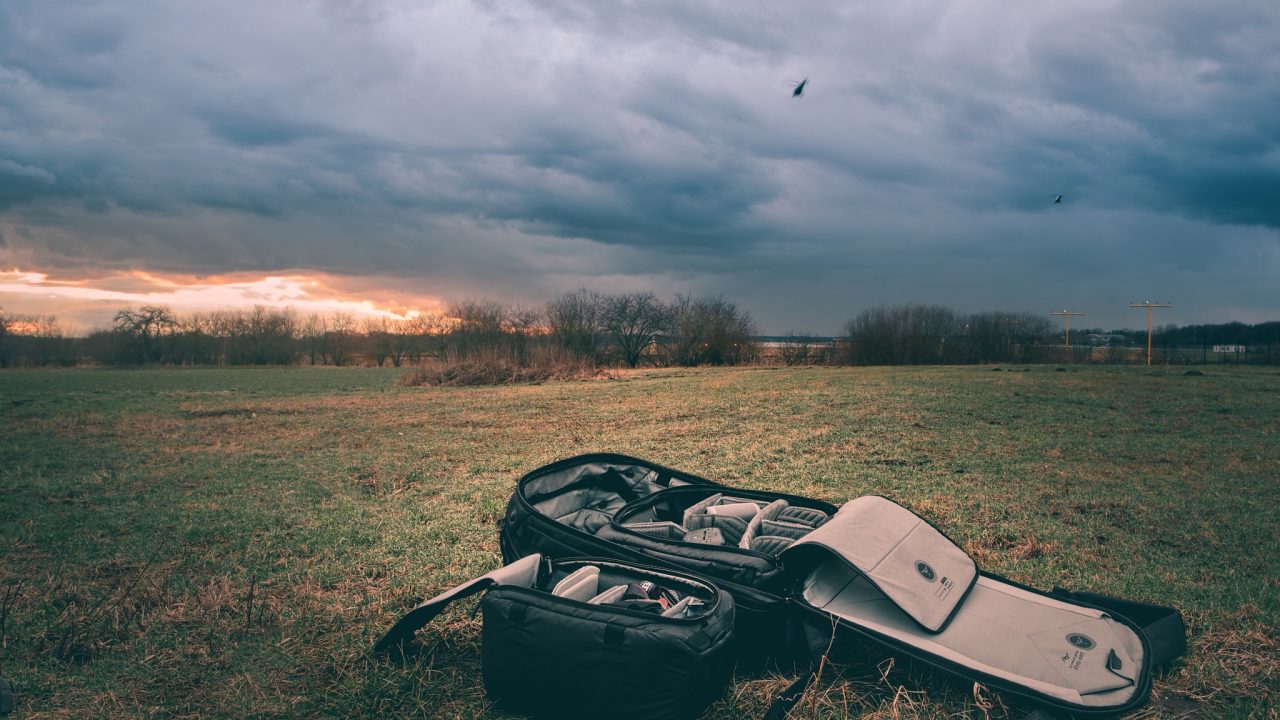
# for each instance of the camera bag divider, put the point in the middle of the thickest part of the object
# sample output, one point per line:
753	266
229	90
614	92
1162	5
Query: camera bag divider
590	638
874	570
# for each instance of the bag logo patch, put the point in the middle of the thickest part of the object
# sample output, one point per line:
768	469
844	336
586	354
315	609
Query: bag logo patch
925	571
1084	642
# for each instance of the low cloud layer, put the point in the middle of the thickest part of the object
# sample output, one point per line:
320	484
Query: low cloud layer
519	150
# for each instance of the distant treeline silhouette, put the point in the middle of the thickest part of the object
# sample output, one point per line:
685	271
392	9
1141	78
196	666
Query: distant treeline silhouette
595	329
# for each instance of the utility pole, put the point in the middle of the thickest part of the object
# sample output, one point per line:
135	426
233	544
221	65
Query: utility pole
1067	315
1149	305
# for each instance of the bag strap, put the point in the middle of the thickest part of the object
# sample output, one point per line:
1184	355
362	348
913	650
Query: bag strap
1163	626
788	698
521	572
817	642
397	637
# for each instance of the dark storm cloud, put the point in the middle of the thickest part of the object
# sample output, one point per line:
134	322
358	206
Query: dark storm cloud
524	149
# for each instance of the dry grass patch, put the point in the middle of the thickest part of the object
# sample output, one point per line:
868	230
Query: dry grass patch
496	369
293	514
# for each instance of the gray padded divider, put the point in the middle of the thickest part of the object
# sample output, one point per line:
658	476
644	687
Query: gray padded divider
770	544
661	529
696	517
812	517
768	523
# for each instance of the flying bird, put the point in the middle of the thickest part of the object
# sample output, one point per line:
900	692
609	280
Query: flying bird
799	91
1057	200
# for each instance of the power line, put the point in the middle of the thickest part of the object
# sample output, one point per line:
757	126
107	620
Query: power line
1067	315
1149	306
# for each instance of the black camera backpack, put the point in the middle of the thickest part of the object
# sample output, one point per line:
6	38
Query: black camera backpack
873	570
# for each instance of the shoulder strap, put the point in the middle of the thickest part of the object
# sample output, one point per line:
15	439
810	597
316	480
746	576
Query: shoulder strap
1163	626
521	572
818	642
787	699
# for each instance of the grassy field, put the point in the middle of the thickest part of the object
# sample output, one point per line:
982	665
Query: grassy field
229	543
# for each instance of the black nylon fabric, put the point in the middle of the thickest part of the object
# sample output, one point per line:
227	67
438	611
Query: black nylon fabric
549	661
547	656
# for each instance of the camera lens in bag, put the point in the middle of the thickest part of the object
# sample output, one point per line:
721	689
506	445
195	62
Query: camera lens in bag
647	590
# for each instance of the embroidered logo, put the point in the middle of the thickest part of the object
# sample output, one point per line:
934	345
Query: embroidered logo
925	571
1084	642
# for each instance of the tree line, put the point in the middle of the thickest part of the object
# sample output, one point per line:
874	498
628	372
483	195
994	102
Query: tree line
933	334
602	329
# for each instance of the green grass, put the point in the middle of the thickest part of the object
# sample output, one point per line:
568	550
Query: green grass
229	543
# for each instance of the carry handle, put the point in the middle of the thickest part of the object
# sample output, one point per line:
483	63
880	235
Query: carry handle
523	572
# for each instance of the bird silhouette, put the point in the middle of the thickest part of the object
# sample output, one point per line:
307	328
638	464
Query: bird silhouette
1057	200
799	91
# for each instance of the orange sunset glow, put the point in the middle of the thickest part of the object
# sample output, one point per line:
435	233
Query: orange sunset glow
84	304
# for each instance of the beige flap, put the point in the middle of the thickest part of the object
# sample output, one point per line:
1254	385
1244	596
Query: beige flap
913	564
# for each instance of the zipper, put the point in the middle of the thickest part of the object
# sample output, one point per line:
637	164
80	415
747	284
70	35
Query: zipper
715	593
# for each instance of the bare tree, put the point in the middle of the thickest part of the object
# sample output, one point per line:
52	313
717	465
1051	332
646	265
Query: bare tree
477	326
426	334
146	327
575	319
314	332
906	334
6	322
267	336
709	331
522	324
633	321
402	340
378	332
340	337
390	339
33	340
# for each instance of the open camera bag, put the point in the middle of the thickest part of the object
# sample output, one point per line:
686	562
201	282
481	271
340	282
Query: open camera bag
555	645
871	571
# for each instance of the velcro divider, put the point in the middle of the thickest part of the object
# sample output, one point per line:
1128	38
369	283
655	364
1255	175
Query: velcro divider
908	560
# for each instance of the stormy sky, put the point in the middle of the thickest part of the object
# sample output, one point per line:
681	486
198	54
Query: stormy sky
427	151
